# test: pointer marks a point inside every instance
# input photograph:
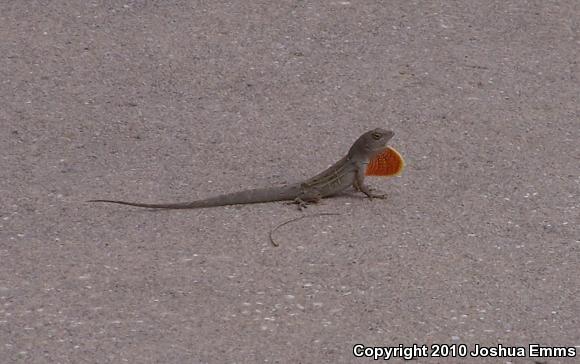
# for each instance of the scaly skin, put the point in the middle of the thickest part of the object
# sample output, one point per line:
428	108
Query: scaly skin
347	172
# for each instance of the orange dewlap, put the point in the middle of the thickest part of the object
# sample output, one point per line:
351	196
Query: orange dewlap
388	163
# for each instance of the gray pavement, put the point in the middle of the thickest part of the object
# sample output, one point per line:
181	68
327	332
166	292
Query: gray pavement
478	243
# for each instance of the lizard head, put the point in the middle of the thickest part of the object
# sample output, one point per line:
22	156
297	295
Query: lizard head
371	143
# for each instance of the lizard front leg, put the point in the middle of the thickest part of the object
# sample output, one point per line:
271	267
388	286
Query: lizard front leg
359	185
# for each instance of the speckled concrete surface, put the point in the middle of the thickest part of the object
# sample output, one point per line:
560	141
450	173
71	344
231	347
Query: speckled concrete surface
478	243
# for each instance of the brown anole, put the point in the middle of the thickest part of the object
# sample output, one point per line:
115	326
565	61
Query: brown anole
369	155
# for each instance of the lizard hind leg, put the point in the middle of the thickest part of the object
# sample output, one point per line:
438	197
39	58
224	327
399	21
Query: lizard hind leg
307	198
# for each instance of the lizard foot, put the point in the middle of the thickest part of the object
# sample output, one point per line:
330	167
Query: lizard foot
304	201
301	205
380	197
298	202
371	195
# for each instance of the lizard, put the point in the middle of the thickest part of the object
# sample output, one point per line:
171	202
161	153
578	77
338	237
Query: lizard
348	171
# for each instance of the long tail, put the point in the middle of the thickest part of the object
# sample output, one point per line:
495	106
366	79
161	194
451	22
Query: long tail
236	198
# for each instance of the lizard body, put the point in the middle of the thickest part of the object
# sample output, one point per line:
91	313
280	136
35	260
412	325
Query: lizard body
347	172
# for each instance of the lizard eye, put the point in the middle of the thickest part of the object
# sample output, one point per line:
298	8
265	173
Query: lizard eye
376	136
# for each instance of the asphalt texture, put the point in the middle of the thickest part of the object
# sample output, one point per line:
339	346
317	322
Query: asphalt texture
477	244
